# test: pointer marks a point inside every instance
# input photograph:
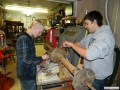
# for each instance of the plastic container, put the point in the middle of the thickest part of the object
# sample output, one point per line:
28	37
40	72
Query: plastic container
2	39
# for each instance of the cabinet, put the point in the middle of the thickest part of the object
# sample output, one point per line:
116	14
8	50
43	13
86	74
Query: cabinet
68	21
1	16
13	29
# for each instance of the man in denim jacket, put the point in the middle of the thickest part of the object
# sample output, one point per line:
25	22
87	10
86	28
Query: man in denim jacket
26	57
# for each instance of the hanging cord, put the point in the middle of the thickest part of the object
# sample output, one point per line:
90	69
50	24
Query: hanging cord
116	18
81	9
79	60
28	2
106	12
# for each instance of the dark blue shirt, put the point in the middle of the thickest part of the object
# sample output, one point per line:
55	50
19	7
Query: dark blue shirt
26	57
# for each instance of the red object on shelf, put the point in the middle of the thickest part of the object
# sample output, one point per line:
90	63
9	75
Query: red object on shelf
50	37
2	57
8	54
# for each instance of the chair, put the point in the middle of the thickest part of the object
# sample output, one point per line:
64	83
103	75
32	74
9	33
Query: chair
6	82
116	66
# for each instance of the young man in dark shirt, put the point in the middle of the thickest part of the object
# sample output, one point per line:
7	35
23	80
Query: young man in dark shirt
26	57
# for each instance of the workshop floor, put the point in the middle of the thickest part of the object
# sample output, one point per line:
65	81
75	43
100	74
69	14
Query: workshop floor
11	67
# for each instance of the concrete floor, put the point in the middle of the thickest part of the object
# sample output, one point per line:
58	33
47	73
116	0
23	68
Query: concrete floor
11	66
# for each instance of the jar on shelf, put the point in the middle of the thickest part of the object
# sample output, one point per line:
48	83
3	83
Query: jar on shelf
2	39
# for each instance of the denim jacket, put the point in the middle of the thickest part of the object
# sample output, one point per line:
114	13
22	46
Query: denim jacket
26	57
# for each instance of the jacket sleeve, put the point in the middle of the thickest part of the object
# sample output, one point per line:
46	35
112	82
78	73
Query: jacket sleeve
26	51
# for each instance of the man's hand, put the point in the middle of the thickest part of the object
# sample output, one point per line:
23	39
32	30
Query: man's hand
80	66
67	44
45	57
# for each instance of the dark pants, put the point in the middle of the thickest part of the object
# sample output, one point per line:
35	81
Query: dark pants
100	84
28	85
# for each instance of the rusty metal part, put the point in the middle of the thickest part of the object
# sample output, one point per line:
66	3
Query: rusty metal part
58	55
54	55
82	79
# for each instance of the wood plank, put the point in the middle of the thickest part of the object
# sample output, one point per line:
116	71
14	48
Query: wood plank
64	73
62	88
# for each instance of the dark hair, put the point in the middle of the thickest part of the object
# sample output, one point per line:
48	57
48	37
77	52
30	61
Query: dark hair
94	15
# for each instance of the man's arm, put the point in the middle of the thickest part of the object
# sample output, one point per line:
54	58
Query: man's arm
81	51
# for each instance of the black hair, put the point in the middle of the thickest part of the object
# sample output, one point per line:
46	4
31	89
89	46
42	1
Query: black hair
94	15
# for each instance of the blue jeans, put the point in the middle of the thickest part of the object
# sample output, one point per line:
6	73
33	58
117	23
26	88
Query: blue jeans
100	84
28	85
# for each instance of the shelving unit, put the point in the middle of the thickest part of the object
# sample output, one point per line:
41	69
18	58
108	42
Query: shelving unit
68	21
13	28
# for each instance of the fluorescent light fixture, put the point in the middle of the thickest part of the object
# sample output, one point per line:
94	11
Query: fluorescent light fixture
28	12
26	9
59	1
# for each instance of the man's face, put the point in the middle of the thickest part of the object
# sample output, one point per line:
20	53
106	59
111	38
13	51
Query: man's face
37	32
89	26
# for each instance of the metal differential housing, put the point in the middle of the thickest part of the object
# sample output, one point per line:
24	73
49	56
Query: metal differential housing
54	54
83	77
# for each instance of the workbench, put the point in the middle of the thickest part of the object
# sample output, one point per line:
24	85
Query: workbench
56	82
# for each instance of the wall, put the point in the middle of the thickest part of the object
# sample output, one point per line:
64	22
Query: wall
113	16
82	7
23	18
115	19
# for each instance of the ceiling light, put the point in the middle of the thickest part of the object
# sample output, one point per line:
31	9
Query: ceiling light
59	1
24	9
28	13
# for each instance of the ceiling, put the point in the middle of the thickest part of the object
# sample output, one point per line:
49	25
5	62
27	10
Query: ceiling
51	5
46	4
